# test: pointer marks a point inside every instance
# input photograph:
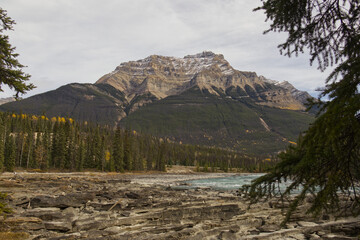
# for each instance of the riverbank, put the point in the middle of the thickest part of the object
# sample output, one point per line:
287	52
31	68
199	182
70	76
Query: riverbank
147	206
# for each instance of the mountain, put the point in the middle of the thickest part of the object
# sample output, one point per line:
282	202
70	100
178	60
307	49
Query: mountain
162	76
198	99
6	100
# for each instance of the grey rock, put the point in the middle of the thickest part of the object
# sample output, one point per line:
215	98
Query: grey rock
227	235
269	228
336	237
71	236
58	226
132	195
306	224
24	201
29	223
88	224
152	212
113	230
350	229
105	206
254	231
46	214
69	200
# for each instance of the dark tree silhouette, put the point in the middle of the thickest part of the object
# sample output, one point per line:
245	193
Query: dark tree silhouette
326	160
11	73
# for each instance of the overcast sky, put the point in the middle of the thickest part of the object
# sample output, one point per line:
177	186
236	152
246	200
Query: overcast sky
66	41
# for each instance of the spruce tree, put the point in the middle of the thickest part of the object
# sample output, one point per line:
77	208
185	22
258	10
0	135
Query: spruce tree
27	156
40	153
46	146
10	153
95	149
150	157
326	160
10	69
81	156
59	148
161	159
2	143
128	158
118	152
101	154
21	139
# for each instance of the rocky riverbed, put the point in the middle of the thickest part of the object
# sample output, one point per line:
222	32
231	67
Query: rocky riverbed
147	206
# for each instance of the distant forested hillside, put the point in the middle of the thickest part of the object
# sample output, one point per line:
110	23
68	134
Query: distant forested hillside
37	142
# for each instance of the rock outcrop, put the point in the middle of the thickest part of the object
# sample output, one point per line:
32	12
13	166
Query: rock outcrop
109	206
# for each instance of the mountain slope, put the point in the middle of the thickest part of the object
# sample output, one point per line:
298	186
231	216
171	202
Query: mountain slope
99	103
198	117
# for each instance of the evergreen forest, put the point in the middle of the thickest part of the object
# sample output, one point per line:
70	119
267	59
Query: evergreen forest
61	144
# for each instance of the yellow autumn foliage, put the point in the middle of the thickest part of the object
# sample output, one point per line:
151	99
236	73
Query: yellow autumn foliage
107	155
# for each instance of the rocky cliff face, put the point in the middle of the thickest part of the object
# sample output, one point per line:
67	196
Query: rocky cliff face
166	76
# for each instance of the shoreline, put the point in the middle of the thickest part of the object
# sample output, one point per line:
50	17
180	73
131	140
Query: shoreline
170	178
174	179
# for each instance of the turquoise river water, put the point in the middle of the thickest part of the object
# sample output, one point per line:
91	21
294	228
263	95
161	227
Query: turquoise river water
226	183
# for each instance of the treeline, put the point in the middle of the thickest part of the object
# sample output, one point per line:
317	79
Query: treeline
37	142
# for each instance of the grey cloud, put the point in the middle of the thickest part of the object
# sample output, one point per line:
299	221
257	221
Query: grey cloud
68	41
